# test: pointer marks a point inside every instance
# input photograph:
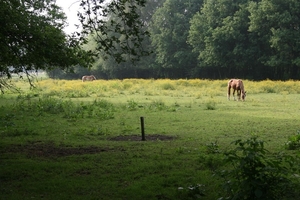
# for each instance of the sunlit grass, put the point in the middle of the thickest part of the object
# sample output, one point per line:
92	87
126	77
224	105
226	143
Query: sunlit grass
70	113
149	87
195	88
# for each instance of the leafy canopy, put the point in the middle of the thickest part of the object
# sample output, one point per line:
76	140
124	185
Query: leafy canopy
115	26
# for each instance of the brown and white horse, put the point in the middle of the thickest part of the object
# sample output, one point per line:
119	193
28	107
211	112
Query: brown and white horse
88	78
236	85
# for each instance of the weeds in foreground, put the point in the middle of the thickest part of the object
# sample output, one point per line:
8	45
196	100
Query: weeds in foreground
256	175
213	148
293	142
100	109
132	105
196	191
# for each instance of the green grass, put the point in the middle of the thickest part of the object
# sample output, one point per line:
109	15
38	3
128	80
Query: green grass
40	137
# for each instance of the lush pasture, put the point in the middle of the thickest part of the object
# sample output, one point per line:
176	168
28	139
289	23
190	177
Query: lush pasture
69	139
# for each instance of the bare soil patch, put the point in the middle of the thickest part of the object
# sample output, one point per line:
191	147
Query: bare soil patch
50	149
152	137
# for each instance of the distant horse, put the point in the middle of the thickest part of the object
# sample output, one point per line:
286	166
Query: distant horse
236	85
88	78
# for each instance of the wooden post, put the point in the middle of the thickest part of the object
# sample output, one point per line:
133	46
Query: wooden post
143	129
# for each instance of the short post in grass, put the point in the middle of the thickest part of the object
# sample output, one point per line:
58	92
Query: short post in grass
143	129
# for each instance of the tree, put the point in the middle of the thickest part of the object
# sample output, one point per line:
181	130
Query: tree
106	65
169	32
248	38
219	34
31	38
31	35
120	36
277	24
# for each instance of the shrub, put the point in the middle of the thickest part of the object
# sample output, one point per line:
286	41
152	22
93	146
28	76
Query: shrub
255	175
293	142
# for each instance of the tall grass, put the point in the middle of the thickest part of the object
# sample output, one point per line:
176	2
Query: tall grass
181	87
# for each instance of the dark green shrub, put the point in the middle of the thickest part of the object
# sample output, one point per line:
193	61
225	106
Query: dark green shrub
254	174
293	142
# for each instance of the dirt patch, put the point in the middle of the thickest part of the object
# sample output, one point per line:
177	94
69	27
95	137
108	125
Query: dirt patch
49	149
152	137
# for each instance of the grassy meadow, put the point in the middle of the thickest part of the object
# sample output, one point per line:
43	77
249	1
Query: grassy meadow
82	140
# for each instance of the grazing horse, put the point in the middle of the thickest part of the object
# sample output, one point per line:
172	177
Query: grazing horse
88	78
236	85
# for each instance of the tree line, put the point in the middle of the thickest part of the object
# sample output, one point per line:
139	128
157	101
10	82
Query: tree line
214	39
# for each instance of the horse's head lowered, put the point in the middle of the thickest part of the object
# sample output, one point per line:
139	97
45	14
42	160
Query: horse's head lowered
236	85
243	95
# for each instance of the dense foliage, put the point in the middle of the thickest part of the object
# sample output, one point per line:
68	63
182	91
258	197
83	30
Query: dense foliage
257	175
31	38
115	27
250	39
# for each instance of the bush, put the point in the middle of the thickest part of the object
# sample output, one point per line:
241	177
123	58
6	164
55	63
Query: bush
294	142
256	175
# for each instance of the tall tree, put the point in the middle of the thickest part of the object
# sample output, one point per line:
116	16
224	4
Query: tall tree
31	38
119	37
277	23
248	38
106	66
219	34
169	33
